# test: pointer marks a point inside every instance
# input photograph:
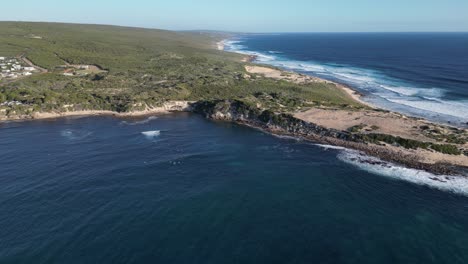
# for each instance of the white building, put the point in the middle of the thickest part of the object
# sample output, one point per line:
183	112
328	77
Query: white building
29	68
2	58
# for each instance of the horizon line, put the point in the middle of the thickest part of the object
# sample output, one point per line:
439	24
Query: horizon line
232	32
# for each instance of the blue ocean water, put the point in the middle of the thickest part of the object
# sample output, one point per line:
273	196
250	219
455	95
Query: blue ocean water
421	74
182	189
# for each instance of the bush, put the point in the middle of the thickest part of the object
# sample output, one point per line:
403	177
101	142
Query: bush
446	149
412	144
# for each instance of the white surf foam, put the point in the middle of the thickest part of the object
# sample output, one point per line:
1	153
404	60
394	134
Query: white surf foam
455	184
327	147
382	90
151	134
73	134
453	108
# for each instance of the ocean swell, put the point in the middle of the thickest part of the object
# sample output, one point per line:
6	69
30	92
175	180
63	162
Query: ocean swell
378	89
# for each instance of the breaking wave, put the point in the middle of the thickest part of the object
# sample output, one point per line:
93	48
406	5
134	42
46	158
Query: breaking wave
455	184
379	89
151	134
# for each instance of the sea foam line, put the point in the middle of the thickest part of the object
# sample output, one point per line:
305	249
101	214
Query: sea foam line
73	134
384	91
388	89
454	184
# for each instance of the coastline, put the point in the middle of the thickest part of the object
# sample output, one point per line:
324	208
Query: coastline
421	159
291	126
435	163
349	90
302	79
436	113
413	159
166	108
276	74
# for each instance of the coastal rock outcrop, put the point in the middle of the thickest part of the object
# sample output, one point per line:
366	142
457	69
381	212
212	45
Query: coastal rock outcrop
286	124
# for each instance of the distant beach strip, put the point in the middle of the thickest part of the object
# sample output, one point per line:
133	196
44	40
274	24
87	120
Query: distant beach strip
378	88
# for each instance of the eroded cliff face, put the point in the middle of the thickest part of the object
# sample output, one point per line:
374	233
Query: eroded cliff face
237	111
286	124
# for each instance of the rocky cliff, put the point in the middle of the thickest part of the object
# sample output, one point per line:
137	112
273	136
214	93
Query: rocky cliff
285	124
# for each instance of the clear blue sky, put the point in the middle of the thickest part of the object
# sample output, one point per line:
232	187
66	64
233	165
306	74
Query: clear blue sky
250	15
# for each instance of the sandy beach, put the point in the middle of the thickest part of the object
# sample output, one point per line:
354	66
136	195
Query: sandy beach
389	123
301	79
372	120
171	106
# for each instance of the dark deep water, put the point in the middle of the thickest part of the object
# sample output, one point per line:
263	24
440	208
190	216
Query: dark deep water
422	74
96	190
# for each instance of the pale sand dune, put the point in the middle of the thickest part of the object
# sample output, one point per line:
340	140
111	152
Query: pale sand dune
372	121
383	123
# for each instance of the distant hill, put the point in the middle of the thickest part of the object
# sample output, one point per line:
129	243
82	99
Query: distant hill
50	44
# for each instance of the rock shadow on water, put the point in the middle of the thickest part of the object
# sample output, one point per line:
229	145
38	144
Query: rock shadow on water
138	122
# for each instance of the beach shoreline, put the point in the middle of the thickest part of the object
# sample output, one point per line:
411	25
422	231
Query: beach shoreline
353	93
166	108
293	126
372	87
318	117
303	79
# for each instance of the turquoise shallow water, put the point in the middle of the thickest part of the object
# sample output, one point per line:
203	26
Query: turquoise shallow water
97	190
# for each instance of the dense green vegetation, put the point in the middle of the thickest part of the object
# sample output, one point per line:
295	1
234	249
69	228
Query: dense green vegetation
144	67
412	144
357	128
453	135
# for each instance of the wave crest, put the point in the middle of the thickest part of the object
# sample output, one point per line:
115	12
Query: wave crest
381	90
151	134
454	184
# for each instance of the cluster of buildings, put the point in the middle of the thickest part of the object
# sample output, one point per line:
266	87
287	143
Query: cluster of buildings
11	103
12	68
